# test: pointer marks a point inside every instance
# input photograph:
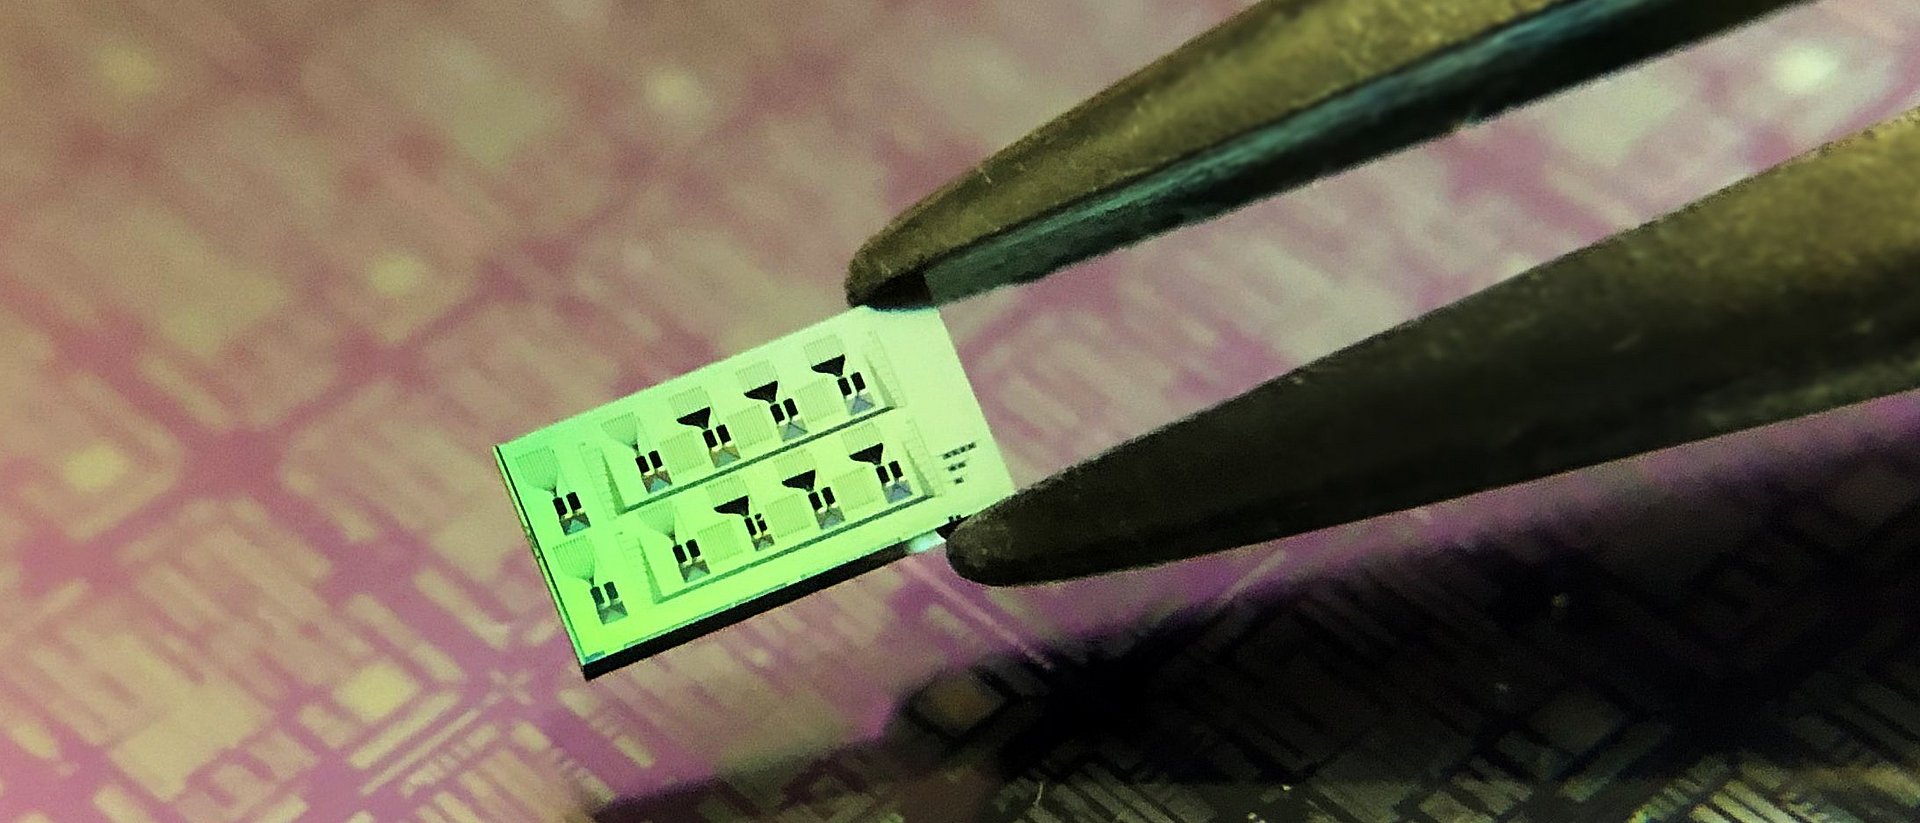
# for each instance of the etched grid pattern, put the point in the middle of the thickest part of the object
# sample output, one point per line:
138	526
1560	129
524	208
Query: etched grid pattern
274	275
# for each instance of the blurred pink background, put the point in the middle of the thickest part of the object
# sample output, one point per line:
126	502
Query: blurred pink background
274	277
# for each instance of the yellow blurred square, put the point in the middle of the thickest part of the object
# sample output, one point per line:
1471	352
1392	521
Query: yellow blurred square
396	275
375	691
94	467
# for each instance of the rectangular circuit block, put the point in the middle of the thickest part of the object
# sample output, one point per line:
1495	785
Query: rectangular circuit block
749	482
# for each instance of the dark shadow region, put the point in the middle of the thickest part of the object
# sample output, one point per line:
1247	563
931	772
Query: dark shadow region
1742	650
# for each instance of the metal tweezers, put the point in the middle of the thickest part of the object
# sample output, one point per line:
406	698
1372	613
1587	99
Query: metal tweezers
1787	294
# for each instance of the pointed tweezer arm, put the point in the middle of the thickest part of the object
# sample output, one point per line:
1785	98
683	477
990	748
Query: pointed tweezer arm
1792	293
1787	295
1283	93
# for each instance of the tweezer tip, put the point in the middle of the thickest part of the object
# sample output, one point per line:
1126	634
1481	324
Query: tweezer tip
976	551
882	287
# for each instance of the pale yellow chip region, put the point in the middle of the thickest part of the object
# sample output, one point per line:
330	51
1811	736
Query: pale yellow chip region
325	724
489	111
476	545
634	750
33	738
1804	68
679	99
286	810
1604	122
376	691
116	804
396	274
96	466
203	298
530	738
201	721
127	72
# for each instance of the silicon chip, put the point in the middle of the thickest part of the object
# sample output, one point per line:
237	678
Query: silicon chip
745	484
